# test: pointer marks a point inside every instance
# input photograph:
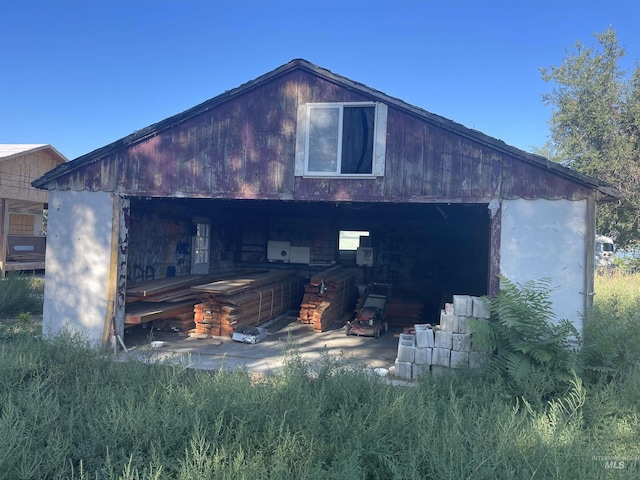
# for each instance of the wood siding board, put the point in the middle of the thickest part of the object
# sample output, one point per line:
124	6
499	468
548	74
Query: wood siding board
483	187
188	163
468	170
395	156
497	167
285	157
323	90
413	158
448	165
435	166
107	174
204	149
244	147
218	154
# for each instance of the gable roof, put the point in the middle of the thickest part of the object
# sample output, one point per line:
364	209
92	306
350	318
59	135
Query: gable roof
606	192
12	150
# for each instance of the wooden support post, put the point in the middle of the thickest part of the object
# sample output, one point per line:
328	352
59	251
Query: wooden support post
4	229
589	264
114	316
494	247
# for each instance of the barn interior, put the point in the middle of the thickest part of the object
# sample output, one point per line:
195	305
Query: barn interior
426	252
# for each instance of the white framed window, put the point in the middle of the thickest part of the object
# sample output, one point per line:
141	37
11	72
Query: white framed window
341	139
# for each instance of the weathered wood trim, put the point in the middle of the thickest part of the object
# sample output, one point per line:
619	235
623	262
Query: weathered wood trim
4	230
114	315
590	239
380	140
494	249
123	255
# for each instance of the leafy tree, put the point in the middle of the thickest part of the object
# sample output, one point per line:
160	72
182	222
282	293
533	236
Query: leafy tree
595	127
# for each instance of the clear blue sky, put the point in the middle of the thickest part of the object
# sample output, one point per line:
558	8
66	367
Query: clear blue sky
79	74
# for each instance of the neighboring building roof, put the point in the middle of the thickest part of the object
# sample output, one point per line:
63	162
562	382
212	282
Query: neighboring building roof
11	150
607	192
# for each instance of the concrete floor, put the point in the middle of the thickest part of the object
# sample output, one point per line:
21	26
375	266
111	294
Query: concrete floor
284	334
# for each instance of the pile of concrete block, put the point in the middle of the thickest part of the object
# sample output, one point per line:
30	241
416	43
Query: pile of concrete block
434	348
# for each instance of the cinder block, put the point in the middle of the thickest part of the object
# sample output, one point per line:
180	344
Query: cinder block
424	336
441	357
404	369
443	339
448	321
459	359
407	337
406	351
480	308
448	308
420	371
423	356
461	342
478	359
463	325
463	305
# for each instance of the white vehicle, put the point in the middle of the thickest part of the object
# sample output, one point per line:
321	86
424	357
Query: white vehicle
605	252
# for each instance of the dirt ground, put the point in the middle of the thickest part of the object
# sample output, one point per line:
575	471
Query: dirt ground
284	334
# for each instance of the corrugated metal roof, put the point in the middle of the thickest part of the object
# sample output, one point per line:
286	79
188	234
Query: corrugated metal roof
10	150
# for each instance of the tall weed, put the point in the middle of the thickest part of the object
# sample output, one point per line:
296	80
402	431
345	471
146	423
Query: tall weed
19	294
612	328
67	411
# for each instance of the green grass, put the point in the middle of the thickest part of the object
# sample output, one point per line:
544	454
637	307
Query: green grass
67	411
612	329
20	294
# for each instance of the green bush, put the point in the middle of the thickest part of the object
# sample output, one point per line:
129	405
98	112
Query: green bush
20	294
531	351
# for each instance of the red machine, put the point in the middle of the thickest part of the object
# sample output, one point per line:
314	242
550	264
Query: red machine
369	321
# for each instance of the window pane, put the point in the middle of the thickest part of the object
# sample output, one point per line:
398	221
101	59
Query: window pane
351	239
323	139
357	140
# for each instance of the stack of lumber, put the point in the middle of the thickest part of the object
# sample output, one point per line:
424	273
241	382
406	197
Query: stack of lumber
180	323
327	297
170	289
247	301
164	299
403	310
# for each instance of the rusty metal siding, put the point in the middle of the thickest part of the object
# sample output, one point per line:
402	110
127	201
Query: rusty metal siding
245	148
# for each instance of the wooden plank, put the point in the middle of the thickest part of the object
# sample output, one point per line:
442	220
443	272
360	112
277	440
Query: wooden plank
238	285
145	312
324	275
17	266
161	285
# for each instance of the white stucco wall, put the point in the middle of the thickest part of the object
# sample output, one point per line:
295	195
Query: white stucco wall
546	238
77	263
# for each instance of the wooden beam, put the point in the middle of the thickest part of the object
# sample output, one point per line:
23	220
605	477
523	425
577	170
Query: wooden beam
145	312
4	230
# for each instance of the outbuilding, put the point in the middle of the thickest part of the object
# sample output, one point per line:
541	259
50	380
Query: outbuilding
303	168
22	207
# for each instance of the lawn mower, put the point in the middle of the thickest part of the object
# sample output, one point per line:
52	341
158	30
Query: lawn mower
369	320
